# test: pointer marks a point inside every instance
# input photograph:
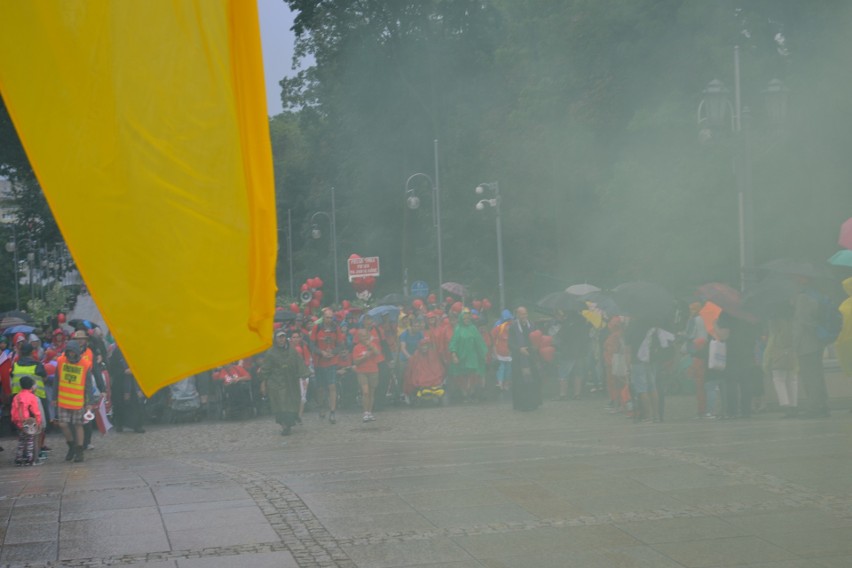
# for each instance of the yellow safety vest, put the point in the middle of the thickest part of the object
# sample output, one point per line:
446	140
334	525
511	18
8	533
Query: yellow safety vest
19	371
72	384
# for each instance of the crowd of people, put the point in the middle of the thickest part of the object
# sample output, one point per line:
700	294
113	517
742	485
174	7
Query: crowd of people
415	352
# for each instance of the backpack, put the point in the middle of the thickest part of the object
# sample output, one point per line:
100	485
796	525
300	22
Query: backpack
829	319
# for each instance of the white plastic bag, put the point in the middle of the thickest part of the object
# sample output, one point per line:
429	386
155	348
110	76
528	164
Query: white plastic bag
717	355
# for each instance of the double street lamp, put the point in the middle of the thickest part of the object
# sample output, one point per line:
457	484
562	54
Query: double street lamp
316	233
714	113
413	202
494	201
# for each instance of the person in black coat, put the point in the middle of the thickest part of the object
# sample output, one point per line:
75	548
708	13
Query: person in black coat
526	381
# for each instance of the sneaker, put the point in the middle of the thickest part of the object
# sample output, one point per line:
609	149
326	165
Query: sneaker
709	416
332	418
46	449
366	417
39	461
42	455
90	447
371	417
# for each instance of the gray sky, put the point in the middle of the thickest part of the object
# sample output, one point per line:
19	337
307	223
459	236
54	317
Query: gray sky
275	22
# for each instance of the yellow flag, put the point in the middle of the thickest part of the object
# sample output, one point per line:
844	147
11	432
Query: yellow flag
146	125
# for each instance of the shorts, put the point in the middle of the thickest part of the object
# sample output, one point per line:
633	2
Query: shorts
326	376
568	368
642	378
70	416
368	379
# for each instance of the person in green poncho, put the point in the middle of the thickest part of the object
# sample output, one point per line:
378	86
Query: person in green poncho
281	370
468	351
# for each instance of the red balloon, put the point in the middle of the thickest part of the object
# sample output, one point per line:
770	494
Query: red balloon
535	338
314	303
60	318
345	304
318	295
305	287
369	282
547	353
353	256
294	307
318	282
477	305
546	341
307	310
432	299
277	325
417	304
448	299
457	307
486	304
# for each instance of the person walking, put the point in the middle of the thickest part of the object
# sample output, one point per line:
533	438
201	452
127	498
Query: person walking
75	388
127	397
696	341
327	342
365	356
282	368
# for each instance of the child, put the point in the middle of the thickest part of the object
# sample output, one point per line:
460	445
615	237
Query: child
26	414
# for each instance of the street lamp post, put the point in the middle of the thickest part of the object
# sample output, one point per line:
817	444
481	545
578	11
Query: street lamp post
316	233
713	115
414	202
494	202
12	246
290	249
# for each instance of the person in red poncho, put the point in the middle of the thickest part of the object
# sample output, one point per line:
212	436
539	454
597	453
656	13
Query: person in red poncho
424	369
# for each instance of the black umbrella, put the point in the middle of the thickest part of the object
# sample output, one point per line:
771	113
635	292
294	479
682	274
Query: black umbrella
643	300
770	297
561	301
727	298
14	317
394	300
284	316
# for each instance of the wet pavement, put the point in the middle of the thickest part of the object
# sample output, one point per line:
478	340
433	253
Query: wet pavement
461	486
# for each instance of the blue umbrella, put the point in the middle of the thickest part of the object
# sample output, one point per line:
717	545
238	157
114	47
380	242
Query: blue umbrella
18	329
842	258
380	311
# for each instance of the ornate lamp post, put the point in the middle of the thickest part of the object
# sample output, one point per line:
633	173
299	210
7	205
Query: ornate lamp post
713	113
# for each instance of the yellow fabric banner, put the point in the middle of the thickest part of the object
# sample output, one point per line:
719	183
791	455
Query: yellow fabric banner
146	125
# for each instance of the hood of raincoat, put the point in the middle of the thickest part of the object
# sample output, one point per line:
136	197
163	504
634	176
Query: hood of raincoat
847	285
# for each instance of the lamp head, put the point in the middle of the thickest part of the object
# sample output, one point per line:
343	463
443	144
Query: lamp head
480	189
480	206
315	232
413	202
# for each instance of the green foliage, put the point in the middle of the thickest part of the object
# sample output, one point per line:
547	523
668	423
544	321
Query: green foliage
585	113
55	300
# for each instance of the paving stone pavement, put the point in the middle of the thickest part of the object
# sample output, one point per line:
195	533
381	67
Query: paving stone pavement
460	486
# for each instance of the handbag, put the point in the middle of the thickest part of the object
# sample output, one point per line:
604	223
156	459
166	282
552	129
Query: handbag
717	356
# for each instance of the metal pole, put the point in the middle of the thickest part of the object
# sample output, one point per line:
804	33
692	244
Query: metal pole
500	281
290	249
739	168
15	272
437	201
334	247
